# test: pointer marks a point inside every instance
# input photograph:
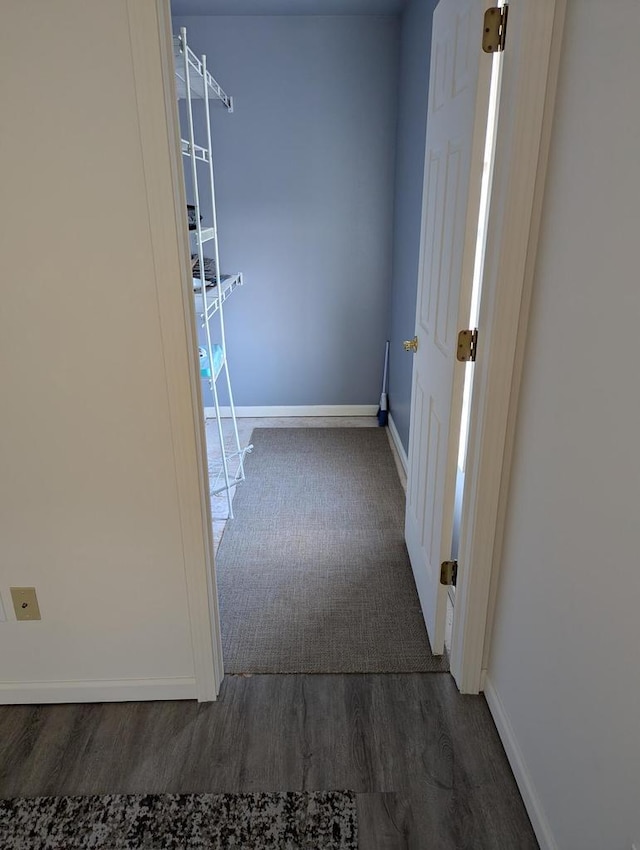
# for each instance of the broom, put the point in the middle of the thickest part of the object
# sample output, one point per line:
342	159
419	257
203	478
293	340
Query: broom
382	410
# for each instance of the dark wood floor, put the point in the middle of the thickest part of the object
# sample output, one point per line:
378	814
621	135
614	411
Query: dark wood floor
426	762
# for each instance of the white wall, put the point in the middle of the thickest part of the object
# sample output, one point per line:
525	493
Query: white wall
565	666
89	510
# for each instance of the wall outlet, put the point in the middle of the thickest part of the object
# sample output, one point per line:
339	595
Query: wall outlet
25	603
3	616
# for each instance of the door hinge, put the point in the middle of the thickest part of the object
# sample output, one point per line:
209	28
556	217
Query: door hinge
467	345
494	30
449	572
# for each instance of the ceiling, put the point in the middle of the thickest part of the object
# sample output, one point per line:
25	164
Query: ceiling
287	7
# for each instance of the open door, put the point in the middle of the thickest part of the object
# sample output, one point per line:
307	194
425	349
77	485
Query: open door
456	129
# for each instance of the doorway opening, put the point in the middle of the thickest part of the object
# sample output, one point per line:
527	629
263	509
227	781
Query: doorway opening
460	70
354	145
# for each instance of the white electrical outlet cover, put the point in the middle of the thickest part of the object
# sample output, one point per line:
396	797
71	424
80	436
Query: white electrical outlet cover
3	616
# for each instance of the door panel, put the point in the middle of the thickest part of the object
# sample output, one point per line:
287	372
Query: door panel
456	126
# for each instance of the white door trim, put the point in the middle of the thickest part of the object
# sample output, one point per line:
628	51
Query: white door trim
527	98
152	57
526	109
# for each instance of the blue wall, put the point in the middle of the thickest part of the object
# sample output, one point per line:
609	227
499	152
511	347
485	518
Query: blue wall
415	49
305	186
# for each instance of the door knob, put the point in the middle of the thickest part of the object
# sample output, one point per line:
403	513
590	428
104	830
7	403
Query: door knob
411	344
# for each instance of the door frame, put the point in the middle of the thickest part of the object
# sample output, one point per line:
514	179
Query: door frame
152	57
527	98
526	108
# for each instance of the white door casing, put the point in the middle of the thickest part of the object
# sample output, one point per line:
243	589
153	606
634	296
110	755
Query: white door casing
152	57
456	128
526	106
531	63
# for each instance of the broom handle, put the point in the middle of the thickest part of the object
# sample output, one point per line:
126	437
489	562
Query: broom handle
386	363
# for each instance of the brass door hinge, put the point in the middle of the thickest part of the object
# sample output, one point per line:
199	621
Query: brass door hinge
467	345
449	572
494	30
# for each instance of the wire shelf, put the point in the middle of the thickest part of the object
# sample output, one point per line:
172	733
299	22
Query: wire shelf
216	476
197	76
200	153
228	284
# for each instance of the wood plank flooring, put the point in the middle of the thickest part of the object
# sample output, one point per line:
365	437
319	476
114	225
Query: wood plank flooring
426	762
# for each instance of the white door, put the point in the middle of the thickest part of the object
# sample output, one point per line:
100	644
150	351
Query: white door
456	127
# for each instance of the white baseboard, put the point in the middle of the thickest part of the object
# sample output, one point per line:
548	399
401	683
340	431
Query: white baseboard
105	690
296	410
397	443
516	760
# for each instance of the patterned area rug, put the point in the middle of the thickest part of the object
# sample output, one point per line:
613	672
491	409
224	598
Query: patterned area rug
282	821
313	572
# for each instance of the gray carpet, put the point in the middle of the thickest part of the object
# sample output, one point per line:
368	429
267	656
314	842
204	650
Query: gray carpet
281	821
313	572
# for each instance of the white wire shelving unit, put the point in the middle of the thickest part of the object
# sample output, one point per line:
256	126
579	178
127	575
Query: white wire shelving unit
194	83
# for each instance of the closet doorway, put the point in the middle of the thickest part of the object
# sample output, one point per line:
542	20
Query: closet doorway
305	332
304	194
